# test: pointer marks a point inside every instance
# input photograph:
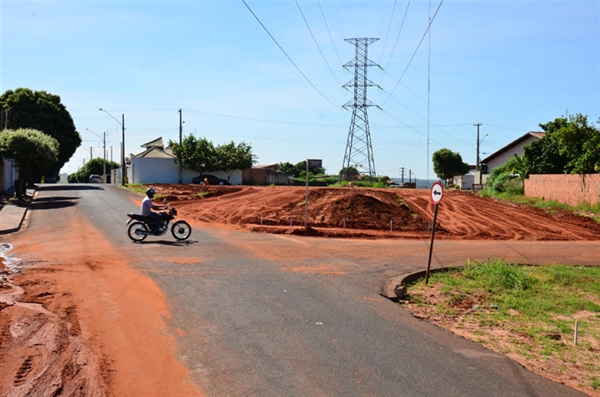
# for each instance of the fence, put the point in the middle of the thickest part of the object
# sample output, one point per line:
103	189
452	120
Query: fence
568	189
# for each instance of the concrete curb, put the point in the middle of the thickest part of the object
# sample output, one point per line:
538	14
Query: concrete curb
19	213
395	288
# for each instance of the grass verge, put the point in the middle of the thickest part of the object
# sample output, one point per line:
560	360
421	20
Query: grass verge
592	211
526	312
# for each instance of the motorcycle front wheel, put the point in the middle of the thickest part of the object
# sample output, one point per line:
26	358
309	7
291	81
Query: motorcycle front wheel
137	231
181	230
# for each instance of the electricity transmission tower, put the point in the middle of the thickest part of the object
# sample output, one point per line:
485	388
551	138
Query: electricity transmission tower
359	152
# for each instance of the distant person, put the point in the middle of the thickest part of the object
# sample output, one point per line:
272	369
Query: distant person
148	209
206	182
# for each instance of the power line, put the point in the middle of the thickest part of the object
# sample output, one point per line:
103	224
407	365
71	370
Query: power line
388	30
416	49
262	120
396	42
329	32
316	43
285	53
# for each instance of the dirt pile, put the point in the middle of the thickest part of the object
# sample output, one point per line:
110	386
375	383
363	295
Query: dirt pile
378	213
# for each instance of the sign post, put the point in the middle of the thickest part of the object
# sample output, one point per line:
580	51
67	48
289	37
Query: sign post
437	192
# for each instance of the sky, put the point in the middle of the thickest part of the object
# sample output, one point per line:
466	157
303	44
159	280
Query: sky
270	73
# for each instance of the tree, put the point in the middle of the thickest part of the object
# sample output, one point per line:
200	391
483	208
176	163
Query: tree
542	157
197	155
287	168
94	166
44	112
577	140
447	164
28	149
349	174
231	157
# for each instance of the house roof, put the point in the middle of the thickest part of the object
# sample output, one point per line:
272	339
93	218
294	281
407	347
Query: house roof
516	142
155	153
158	142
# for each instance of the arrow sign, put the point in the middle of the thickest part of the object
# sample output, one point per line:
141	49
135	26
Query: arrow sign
437	192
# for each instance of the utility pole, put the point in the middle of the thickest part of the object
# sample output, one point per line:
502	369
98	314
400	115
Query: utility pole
91	155
477	165
402	173
358	145
179	157
104	158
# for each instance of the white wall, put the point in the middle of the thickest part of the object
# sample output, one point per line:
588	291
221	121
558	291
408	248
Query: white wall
9	174
164	170
518	150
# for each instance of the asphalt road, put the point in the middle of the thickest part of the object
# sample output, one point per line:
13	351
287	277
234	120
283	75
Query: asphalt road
272	315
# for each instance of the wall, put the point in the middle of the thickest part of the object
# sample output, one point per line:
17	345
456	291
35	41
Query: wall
8	175
518	150
568	189
164	170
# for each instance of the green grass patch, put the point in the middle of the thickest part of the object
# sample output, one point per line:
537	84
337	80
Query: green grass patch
585	209
535	307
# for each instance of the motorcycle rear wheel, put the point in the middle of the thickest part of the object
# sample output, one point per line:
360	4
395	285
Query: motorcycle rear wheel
133	229
181	230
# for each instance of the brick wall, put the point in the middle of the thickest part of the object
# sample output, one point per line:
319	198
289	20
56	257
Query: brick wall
568	189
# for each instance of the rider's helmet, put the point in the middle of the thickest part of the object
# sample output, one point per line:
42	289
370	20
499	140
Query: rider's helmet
150	192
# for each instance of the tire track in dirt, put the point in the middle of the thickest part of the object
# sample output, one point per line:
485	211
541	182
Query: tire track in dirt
371	212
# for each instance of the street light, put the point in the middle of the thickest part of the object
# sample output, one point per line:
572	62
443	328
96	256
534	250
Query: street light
478	165
104	154
123	148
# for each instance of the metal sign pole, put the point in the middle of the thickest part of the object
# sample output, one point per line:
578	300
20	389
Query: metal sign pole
431	244
437	192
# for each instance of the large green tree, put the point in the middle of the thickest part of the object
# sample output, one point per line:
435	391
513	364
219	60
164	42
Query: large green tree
44	112
28	149
196	154
231	157
447	164
577	140
542	157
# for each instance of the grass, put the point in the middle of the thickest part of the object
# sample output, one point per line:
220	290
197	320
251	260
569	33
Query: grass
535	306
140	188
585	209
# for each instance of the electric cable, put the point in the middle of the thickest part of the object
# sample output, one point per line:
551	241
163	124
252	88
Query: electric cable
396	42
316	43
416	49
329	32
285	53
388	30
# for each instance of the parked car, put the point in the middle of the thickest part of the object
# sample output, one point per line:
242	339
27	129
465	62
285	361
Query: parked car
95	179
50	179
212	180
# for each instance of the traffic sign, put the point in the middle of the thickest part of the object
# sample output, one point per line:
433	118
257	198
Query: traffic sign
437	192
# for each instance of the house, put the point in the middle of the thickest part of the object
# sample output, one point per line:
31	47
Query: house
265	175
500	156
156	164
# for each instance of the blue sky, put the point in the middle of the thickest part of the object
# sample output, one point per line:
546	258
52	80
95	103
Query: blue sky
509	65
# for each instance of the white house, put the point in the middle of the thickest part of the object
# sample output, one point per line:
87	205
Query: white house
500	156
157	164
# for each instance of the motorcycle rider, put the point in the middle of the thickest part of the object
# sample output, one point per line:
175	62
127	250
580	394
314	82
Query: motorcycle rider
148	209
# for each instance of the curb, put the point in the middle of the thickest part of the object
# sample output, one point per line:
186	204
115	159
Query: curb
22	219
395	288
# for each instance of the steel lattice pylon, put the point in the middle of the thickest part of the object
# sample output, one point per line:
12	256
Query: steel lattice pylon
359	152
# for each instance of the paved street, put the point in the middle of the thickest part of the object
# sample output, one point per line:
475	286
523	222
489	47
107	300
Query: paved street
275	315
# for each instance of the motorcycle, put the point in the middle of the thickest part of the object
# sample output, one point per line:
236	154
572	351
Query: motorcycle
140	226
